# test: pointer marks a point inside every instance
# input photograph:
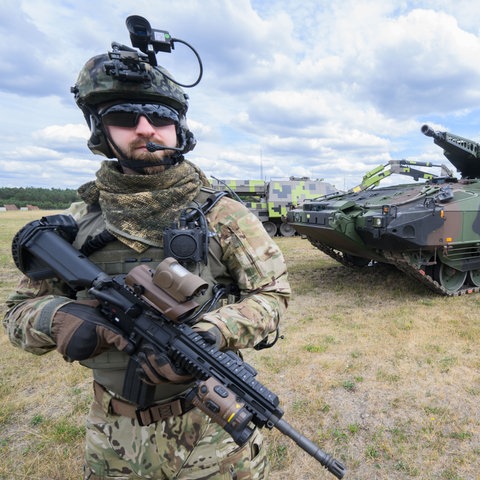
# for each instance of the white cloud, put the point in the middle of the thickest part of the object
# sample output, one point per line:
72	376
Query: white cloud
62	134
34	152
320	88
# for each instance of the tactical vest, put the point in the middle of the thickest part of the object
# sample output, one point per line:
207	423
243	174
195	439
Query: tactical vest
116	258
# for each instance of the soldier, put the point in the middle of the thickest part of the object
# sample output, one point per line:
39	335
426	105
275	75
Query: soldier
122	220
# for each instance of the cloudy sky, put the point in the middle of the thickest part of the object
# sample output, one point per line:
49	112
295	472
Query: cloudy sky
320	88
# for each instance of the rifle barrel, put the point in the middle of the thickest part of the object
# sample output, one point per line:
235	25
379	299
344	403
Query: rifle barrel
333	466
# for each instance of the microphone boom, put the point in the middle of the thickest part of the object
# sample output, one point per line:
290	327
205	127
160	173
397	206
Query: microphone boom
154	147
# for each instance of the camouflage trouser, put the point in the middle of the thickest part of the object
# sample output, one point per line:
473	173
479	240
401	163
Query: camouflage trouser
184	448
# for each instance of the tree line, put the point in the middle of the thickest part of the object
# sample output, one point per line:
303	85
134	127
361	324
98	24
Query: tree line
43	198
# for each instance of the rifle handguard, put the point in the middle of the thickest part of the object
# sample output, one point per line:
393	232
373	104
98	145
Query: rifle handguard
224	408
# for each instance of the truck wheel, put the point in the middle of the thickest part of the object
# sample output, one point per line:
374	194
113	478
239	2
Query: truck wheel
270	227
286	230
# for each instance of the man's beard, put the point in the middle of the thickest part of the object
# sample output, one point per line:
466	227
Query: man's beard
133	153
142	161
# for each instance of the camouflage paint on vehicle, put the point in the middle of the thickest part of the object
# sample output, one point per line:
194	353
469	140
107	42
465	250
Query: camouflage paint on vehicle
429	230
271	201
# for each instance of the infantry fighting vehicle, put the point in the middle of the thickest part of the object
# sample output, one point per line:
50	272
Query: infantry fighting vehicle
430	230
270	201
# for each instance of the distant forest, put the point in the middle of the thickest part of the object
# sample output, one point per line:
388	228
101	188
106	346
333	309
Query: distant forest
43	198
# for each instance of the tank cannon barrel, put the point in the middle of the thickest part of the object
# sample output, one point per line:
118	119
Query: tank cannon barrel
462	152
429	131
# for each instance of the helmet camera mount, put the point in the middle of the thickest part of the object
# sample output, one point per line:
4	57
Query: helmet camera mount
143	36
128	64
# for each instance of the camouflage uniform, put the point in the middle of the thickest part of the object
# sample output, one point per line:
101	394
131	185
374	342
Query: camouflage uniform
188	446
175	442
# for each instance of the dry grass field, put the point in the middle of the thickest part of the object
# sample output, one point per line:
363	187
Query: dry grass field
375	369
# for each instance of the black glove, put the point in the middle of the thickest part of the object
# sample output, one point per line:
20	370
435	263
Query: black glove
210	333
81	331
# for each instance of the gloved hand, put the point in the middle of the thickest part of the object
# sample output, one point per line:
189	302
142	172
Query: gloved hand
81	331
157	368
210	333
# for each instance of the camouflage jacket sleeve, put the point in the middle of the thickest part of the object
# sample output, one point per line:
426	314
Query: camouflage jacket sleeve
31	309
257	265
33	304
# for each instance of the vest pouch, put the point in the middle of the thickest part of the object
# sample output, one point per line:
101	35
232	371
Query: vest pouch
109	369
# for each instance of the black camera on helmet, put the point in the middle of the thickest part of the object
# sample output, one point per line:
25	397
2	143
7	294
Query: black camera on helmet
128	64
142	35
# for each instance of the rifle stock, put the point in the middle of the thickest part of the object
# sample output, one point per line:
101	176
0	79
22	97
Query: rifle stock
225	388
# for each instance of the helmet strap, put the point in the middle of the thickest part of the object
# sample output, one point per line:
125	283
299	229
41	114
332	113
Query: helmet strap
97	142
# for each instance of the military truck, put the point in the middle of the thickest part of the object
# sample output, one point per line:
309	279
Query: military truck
270	201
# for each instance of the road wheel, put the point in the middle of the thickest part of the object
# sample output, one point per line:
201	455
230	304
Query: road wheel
449	278
270	227
286	230
474	277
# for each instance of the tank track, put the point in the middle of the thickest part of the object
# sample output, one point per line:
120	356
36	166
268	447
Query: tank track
406	265
335	254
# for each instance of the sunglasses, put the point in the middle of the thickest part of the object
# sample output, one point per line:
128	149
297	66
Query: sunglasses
127	115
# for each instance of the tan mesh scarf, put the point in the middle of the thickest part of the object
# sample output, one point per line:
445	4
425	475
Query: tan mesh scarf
136	208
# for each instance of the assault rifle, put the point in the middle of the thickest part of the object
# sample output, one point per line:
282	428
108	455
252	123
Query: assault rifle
151	307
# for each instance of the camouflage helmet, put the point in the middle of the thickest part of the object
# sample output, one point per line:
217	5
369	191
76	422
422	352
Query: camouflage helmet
97	85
